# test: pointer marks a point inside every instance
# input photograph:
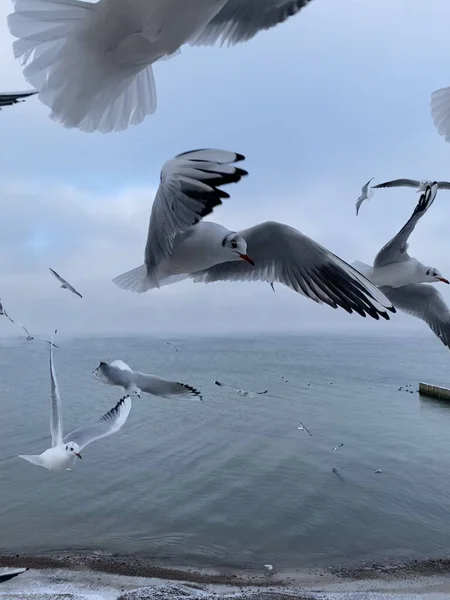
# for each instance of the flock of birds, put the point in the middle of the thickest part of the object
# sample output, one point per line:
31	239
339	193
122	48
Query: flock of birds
91	64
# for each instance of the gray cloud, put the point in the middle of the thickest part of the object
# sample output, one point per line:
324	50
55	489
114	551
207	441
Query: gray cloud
319	105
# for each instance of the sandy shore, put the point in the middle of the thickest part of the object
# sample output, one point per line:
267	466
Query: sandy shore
100	577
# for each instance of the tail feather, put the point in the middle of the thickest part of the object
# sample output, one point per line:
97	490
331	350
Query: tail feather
135	280
84	86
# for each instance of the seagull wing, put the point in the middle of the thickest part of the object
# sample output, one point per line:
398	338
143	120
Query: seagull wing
56	425
399	183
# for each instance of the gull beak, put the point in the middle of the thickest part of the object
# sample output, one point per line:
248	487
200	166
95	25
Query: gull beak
78	454
443	280
247	258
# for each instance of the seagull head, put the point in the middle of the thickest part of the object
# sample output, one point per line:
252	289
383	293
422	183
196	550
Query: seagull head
434	275
73	448
235	248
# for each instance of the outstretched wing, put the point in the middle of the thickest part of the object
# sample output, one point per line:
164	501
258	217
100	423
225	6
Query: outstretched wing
396	249
166	389
56	426
398	183
188	191
110	423
240	20
14	98
283	254
65	283
424	302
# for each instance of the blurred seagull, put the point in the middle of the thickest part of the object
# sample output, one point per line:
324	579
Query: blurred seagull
240	391
65	284
305	429
172	346
28	335
337	447
92	61
366	194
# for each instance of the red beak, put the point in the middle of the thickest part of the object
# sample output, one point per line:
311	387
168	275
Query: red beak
443	280
247	258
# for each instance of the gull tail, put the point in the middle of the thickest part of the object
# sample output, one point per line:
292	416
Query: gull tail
440	111
85	85
35	459
135	280
364	269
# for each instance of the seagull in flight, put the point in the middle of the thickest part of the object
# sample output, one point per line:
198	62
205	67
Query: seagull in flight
28	335
240	391
304	428
405	281
65	285
413	183
366	194
14	98
172	346
65	450
337	447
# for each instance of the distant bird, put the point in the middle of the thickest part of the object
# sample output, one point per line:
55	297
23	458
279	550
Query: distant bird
10	574
240	391
134	382
92	62
268	567
172	346
305	429
14	98
440	111
28	335
378	471
65	284
65	450
2	310
413	183
404	280
337	447
366	194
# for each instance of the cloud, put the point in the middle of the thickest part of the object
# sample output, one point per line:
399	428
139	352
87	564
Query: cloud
318	105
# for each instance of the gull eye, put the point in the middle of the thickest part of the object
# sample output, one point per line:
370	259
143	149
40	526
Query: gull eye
233	244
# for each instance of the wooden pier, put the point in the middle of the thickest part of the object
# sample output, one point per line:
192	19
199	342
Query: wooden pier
434	391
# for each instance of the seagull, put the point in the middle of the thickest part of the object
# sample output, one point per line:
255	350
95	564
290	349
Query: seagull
2	310
239	391
10	574
337	447
172	346
268	567
413	183
65	284
92	62
305	429
404	279
119	373
14	98
180	247
440	111
366	194
28	335
65	450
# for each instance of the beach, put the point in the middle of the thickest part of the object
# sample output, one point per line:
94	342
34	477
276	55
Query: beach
93	577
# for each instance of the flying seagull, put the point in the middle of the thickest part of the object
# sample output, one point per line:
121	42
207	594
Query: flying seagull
134	382
337	447
14	98
413	183
240	391
404	280
65	284
28	335
179	246
366	194
92	62
303	428
65	450
10	574
171	346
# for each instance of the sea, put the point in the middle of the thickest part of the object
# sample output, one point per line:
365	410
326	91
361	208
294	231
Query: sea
231	481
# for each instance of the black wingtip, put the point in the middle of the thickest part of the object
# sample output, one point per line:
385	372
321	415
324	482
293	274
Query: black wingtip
239	157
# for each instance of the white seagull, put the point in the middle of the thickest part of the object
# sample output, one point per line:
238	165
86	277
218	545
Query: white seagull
179	246
119	373
366	194
305	429
413	183
440	111
240	391
65	284
337	447
28	335
14	98
65	450
404	279
92	61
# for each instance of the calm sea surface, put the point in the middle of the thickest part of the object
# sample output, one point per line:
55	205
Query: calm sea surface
232	481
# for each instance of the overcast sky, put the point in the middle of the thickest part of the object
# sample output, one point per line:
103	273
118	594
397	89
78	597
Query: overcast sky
336	95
